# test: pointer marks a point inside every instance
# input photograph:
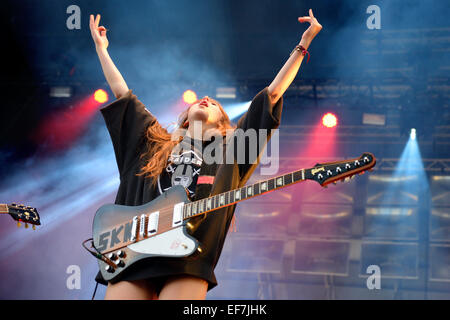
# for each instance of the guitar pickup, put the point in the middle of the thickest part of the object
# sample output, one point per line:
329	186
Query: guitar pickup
177	217
153	220
142	226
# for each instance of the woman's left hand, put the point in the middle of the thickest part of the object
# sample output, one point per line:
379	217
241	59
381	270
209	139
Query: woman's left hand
313	29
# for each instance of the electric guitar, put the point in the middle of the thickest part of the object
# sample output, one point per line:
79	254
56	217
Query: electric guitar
22	214
123	235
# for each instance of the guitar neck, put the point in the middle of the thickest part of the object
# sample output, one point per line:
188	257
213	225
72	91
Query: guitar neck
4	208
231	197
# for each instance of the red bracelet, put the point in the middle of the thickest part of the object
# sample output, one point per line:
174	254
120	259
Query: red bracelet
299	47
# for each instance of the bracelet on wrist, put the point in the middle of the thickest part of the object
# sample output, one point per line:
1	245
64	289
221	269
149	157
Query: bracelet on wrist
301	49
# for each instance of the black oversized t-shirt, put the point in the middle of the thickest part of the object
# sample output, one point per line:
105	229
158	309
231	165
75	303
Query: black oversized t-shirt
183	166
127	120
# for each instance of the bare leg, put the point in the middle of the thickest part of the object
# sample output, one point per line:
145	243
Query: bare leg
184	288
130	290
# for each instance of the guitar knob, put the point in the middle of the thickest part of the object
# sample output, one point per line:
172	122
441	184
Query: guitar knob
121	254
112	256
34	227
121	264
109	269
18	224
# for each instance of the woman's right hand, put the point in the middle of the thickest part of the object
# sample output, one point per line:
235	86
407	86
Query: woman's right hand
98	33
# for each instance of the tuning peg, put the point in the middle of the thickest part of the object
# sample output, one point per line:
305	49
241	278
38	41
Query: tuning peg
34	227
26	225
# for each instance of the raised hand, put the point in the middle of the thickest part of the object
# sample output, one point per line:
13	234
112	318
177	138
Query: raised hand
98	33
313	29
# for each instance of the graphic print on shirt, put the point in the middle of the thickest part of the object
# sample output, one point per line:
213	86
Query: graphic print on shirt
183	169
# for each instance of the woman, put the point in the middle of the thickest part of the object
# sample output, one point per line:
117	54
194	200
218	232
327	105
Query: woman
150	161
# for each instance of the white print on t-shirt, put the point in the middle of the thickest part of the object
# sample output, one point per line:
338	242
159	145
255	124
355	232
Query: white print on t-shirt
182	170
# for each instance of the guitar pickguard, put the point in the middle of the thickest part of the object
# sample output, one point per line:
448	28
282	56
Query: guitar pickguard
173	243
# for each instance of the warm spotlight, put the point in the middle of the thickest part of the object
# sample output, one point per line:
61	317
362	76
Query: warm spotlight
329	120
100	96
189	96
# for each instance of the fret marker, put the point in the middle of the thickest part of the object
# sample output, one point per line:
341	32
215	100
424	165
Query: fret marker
264	186
249	191
238	194
222	199
208	206
280	181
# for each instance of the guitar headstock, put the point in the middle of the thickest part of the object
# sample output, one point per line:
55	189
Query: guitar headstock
332	172
23	214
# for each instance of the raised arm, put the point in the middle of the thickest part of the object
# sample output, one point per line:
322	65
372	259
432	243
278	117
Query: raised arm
287	74
113	77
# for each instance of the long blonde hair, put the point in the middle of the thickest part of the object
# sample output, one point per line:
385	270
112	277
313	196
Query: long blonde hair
160	142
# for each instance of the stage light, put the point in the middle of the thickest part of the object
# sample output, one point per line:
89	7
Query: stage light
329	120
189	96
412	135
235	110
100	96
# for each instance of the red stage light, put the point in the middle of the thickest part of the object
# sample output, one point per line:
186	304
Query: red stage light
100	96
329	120
189	96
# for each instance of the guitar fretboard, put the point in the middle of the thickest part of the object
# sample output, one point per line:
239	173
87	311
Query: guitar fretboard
227	198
